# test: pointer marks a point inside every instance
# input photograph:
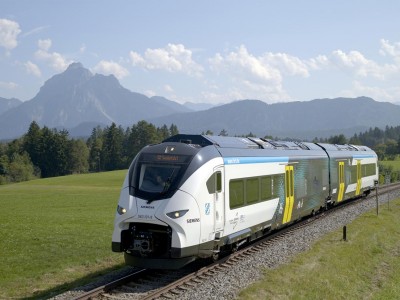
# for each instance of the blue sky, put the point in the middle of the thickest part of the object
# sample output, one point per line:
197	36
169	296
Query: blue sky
207	51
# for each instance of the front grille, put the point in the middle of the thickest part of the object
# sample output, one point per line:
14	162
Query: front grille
147	240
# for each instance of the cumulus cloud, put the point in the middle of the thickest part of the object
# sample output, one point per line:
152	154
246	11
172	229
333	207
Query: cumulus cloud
256	77
375	92
8	85
357	63
54	59
173	58
9	31
168	88
110	67
32	68
392	50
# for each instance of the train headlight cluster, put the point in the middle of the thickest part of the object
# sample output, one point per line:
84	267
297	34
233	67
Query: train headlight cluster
121	210
177	214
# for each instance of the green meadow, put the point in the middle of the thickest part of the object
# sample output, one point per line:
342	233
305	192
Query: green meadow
395	164
366	266
56	233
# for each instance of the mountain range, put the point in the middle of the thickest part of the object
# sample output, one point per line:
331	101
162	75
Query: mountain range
78	100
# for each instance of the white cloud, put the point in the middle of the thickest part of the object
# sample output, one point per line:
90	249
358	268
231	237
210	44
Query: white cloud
44	44
149	93
252	77
31	68
109	67
173	58
9	31
8	85
377	93
285	63
355	62
392	50
55	60
318	63
168	88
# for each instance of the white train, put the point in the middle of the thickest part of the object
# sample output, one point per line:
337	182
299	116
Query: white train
196	196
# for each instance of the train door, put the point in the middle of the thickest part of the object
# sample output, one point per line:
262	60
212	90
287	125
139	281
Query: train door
358	188
289	194
341	181
219	211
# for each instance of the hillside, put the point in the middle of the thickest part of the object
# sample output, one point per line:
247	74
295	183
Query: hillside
304	120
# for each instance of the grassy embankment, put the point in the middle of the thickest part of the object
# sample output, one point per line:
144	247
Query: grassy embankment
56	233
366	266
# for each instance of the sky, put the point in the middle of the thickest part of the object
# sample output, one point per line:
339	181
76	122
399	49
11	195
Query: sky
207	51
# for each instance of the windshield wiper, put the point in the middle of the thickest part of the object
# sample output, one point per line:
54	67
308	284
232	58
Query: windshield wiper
167	183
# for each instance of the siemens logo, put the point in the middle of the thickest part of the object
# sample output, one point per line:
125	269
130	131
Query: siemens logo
193	220
147	206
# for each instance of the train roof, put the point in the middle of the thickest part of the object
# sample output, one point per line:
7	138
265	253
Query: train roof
258	143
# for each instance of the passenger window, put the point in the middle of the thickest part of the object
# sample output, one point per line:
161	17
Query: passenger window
236	193
266	188
252	190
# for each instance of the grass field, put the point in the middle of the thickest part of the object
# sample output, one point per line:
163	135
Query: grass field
56	233
394	163
366	266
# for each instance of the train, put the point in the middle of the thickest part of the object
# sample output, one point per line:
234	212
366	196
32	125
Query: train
196	197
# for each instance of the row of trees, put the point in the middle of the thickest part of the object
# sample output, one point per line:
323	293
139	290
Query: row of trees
386	143
44	152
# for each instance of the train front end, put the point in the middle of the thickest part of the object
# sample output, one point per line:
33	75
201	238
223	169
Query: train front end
153	213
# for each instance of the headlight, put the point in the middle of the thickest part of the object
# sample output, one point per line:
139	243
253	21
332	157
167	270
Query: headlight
177	214
121	210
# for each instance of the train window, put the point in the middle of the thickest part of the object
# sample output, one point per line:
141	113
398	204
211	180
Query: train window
266	187
219	182
236	193
156	178
252	190
214	183
211	184
370	170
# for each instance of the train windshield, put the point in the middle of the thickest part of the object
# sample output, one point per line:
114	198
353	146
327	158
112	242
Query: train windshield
156	176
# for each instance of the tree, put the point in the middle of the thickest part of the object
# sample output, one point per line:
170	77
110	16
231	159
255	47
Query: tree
112	148
20	168
173	130
142	134
338	139
208	132
32	143
223	132
95	145
164	132
391	149
78	157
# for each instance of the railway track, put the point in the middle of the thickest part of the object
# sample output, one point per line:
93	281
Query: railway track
156	284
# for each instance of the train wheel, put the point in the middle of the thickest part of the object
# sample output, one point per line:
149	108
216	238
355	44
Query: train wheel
234	247
215	256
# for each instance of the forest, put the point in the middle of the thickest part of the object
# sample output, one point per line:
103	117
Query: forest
44	152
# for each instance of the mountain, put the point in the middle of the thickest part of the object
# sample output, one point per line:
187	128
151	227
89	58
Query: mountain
198	106
6	104
303	120
77	96
78	101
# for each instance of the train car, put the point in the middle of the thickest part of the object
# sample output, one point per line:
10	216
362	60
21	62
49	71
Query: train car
197	196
